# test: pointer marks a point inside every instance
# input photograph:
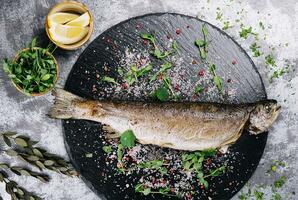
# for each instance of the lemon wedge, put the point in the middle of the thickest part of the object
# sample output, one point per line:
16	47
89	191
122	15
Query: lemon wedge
83	20
61	18
65	34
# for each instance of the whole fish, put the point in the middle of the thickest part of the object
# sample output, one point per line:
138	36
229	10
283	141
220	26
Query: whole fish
184	126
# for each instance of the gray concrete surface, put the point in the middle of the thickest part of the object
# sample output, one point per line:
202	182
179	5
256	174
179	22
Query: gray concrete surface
20	20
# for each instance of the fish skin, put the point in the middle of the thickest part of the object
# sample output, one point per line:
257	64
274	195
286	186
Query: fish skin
184	126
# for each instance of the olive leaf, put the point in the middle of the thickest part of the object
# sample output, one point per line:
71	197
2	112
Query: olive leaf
21	142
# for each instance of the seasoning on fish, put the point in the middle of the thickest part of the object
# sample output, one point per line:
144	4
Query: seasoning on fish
185	126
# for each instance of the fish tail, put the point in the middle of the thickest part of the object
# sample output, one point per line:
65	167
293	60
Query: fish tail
62	108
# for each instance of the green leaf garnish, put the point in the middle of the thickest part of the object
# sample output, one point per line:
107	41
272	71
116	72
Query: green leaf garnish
259	195
245	32
217	80
199	89
134	73
107	149
109	80
162	94
128	139
164	68
255	49
280	182
203	43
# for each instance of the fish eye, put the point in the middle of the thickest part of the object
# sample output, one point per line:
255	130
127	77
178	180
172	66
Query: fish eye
267	108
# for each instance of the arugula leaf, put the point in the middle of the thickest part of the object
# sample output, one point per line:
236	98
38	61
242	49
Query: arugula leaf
109	80
162	94
128	139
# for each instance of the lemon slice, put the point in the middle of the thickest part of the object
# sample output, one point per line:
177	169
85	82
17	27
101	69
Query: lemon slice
83	20
61	18
65	34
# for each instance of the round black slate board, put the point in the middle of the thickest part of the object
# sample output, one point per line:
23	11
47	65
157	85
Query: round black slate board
242	84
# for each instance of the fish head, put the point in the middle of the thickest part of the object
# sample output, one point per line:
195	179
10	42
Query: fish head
263	116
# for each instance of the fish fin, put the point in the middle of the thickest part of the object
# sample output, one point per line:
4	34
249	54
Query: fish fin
112	133
62	108
224	149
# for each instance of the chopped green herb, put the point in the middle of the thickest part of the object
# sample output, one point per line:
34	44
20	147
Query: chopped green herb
226	25
280	182
217	171
154	164
262	25
203	43
164	68
134	73
270	60
109	80
242	197
276	196
157	52
245	32
107	149
199	89
128	139
168	83
259	195
278	73
255	49
120	155
162	94
219	15
146	191
88	155
217	80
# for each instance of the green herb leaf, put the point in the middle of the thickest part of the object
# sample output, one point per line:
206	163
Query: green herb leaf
128	139
107	149
218	83
245	32
162	94
199	89
120	153
46	77
149	37
259	195
109	80
147	191
164	68
280	182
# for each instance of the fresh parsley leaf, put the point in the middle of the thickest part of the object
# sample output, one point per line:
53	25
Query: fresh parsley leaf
199	89
259	195
280	182
276	196
144	70
200	43
226	26
255	49
128	139
109	80
146	191
149	37
204	31
107	149
269	59
245	32
162	94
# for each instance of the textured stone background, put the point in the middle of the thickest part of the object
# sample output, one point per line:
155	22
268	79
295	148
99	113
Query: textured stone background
20	20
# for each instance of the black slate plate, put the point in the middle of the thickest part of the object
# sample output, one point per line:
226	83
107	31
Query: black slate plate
242	84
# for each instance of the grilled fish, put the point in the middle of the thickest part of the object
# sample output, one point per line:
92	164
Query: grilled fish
184	126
